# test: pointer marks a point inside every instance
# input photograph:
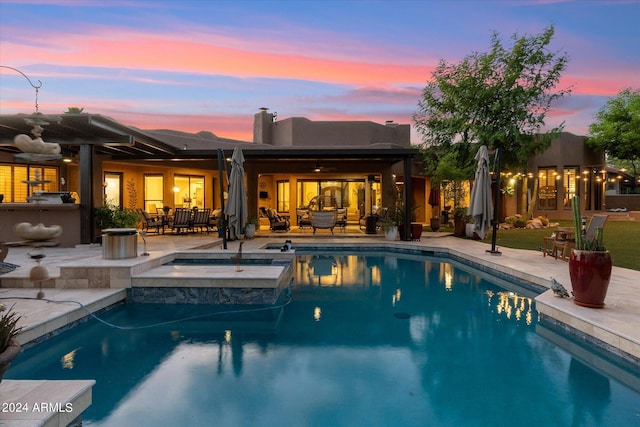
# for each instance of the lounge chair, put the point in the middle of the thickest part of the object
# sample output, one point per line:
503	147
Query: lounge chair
148	222
276	222
323	219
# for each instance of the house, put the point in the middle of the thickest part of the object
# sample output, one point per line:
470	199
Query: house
355	165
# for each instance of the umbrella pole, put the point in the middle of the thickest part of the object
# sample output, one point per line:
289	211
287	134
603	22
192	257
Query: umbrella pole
496	204
223	221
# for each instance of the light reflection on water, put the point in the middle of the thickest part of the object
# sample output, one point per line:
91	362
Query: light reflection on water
464	352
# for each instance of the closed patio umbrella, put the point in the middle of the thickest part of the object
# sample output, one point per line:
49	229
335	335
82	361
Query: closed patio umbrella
236	207
480	207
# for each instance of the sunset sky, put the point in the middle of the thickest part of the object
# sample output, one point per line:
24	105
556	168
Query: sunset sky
210	65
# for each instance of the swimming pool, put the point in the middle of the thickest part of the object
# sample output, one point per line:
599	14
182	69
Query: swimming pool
393	340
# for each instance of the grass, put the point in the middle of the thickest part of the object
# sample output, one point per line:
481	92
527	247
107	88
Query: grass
620	238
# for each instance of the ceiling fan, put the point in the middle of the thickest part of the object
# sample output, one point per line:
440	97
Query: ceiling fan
319	168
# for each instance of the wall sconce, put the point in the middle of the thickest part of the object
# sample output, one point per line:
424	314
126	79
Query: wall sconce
176	189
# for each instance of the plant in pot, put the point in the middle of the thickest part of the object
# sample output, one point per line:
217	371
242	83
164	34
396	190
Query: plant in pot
166	209
590	264
389	224
459	221
9	346
415	227
110	216
119	238
251	227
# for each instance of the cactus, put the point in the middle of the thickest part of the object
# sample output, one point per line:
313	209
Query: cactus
582	243
575	208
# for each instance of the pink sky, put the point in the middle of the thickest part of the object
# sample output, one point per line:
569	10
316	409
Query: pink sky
170	68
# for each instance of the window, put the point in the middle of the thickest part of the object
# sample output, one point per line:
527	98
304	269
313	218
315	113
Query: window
188	191
570	181
350	194
547	192
282	196
153	193
14	187
113	188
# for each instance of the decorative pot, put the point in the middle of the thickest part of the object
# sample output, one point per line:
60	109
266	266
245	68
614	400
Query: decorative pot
590	272
469	229
391	233
416	230
119	243
250	231
435	224
7	356
459	226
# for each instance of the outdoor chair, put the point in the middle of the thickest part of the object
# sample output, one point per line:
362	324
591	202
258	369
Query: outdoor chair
562	245
323	219
341	219
276	222
201	219
148	222
596	221
182	221
304	221
380	214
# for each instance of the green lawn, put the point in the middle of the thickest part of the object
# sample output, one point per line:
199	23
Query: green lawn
622	239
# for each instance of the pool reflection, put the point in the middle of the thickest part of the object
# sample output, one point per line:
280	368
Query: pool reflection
375	340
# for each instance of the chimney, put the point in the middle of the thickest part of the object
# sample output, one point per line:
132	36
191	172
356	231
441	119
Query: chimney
262	122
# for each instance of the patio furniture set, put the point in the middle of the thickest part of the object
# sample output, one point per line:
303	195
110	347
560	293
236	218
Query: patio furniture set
182	220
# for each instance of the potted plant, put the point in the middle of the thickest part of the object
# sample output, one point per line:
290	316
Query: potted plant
415	227
251	227
389	224
119	234
110	216
589	264
166	210
459	221
9	346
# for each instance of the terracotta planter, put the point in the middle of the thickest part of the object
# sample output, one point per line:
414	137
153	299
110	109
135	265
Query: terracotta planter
435	224
7	356
590	272
459	227
416	231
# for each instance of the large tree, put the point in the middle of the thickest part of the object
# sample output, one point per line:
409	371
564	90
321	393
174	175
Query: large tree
498	98
616	129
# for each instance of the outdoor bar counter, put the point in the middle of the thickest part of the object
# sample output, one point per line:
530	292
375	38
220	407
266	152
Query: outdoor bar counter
66	215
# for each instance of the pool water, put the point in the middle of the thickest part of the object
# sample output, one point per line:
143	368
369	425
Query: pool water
365	341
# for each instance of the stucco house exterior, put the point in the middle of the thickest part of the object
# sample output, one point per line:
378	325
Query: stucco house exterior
291	163
360	165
